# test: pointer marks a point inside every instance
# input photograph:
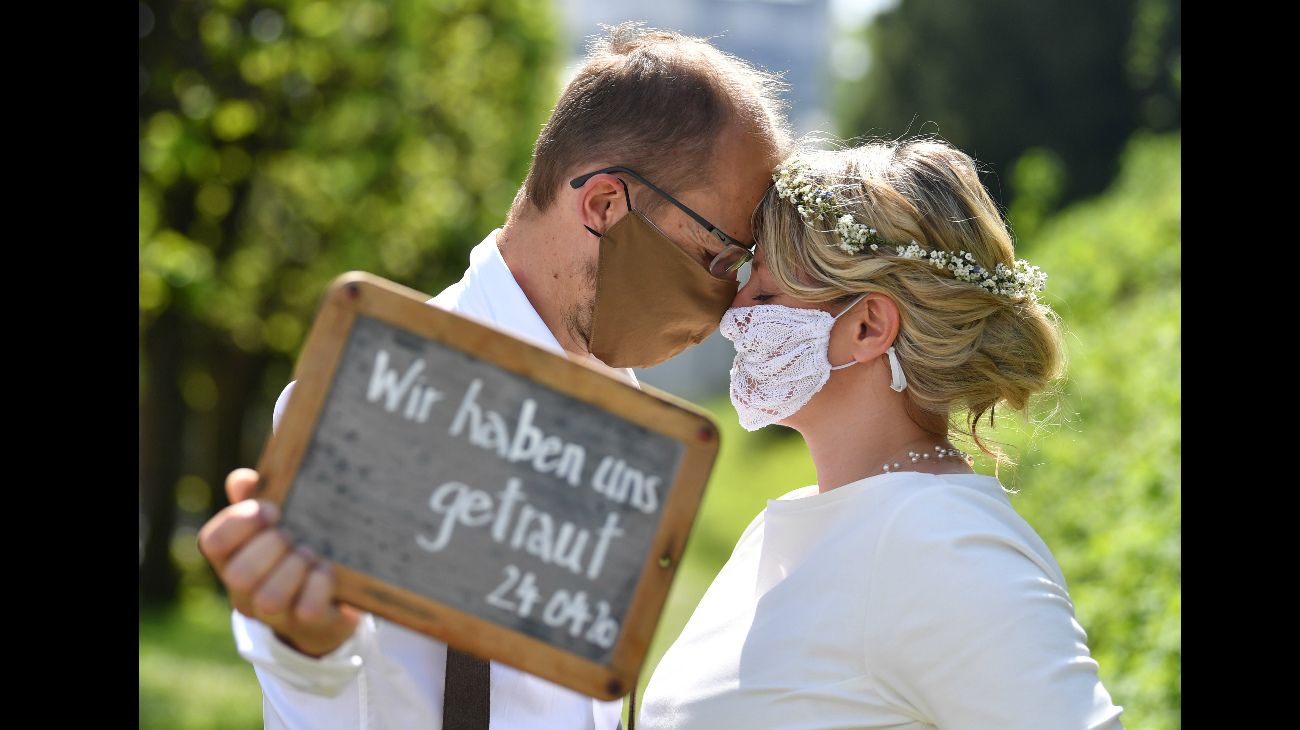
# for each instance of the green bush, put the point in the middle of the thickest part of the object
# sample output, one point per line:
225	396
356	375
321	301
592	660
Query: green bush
1104	485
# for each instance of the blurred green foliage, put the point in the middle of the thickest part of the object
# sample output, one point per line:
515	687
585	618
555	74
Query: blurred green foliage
281	144
289	141
1000	77
1104	486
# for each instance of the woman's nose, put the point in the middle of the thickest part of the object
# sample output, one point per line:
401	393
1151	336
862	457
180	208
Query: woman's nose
742	298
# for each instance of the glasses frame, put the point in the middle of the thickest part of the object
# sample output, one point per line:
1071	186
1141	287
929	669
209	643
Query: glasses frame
734	254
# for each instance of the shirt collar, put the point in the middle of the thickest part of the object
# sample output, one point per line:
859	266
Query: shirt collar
491	293
494	295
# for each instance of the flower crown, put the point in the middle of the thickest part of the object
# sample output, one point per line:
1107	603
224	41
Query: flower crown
817	205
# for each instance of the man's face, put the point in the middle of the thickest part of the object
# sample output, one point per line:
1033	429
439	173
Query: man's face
741	173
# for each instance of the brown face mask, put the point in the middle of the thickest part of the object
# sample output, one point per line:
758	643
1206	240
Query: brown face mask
652	299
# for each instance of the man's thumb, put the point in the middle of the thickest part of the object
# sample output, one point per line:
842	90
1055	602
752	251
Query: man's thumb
240	485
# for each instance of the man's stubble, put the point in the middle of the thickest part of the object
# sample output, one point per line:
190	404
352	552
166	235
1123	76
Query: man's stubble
578	316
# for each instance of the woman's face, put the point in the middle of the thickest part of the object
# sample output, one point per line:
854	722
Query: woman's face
761	288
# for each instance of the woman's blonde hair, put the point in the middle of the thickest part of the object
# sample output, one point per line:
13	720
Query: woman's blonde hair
963	348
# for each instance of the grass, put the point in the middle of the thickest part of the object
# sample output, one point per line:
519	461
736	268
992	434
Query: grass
190	675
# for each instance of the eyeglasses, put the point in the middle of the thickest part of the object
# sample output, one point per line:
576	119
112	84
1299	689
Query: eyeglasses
733	256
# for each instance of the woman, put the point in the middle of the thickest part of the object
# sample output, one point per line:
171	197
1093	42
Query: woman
902	590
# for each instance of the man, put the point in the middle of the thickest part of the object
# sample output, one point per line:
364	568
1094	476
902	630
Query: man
621	247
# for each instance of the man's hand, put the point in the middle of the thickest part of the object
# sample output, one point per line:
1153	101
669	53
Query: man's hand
288	589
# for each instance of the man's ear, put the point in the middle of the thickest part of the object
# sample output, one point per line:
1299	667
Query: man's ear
870	327
601	202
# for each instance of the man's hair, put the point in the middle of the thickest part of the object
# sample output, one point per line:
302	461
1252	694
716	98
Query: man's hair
657	102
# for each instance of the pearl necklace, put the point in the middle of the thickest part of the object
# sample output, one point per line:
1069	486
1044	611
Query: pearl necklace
925	455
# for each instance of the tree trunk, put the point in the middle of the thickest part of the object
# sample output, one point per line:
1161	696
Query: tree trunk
162	425
239	378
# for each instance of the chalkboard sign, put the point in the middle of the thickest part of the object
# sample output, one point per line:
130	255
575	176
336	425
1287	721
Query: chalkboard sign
516	504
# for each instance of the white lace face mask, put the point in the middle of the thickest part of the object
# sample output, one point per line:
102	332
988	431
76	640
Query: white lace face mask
781	359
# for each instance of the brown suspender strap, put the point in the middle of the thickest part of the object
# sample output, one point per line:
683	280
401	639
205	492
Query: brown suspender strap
467	694
466	688
631	708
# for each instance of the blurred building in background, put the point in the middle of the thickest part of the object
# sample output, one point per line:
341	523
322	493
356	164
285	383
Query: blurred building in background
791	37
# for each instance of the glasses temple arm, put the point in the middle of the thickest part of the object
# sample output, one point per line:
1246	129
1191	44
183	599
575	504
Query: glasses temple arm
717	232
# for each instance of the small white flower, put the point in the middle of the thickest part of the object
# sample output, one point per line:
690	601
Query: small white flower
818	207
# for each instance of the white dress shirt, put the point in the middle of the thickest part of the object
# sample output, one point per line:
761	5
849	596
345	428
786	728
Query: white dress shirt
388	676
900	601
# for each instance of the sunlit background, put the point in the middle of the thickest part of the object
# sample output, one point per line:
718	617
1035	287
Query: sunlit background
282	143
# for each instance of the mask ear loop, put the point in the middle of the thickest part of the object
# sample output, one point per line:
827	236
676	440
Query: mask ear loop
852	304
841	314
626	195
897	379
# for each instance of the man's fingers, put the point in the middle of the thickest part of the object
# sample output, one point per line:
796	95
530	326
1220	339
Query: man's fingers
315	606
274	596
252	563
350	614
223	535
318	624
240	485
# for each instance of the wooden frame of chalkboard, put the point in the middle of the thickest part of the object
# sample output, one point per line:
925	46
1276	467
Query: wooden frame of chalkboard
658	453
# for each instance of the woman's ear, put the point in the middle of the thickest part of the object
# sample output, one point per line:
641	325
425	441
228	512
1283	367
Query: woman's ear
601	202
867	330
